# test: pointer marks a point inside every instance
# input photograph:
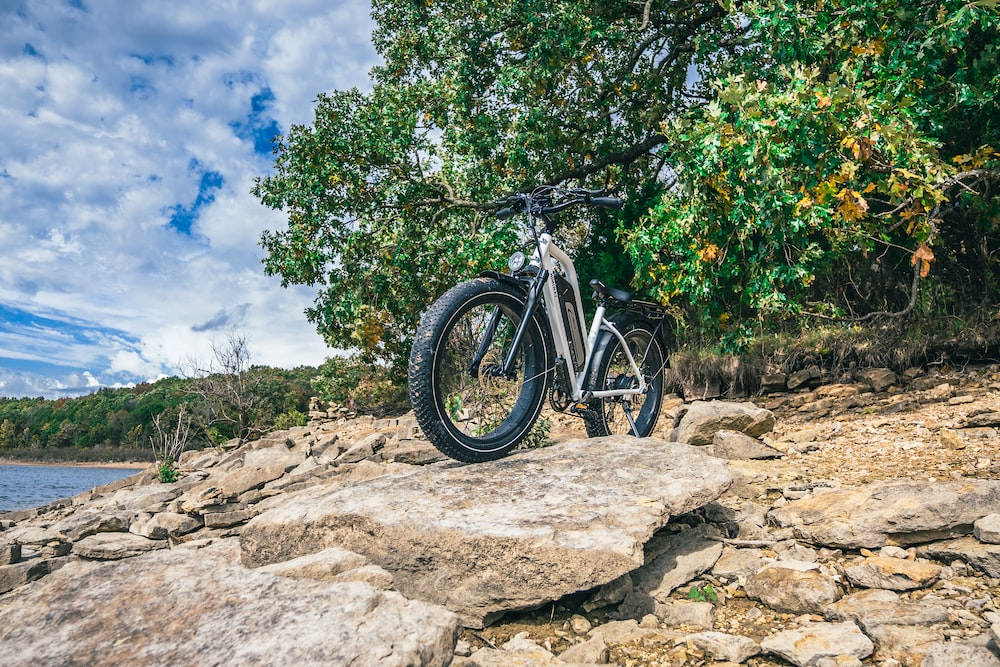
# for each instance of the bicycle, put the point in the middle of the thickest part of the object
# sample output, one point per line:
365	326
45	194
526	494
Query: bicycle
490	349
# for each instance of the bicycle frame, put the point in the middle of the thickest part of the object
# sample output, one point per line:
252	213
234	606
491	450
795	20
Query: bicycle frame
545	252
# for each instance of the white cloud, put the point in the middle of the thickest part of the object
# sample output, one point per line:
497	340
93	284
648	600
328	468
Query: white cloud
120	117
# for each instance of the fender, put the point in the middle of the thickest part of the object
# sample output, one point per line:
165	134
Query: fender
506	279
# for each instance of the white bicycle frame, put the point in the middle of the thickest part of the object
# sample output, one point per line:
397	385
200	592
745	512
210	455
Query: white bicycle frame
545	252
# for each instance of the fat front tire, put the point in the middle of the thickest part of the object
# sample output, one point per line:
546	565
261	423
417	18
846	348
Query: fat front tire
464	404
609	416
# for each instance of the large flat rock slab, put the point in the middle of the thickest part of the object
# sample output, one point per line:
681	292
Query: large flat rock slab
190	606
505	535
891	512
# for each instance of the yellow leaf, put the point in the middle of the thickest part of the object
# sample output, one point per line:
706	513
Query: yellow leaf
709	253
924	256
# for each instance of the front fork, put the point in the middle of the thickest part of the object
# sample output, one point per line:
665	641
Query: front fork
507	370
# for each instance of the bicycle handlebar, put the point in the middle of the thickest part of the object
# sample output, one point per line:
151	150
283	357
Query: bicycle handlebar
542	204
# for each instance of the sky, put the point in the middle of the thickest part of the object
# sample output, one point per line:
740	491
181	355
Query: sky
131	133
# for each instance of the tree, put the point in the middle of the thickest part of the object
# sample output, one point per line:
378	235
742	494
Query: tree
388	192
230	389
849	147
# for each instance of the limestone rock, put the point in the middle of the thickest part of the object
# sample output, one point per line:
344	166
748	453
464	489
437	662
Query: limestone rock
224	487
114	546
678	614
966	654
896	512
736	445
673	559
902	628
987	529
794	587
162	525
983	557
697	424
724	647
191	606
807	645
502	535
894	574
735	563
147	498
18	574
81	524
9	552
879	379
332	565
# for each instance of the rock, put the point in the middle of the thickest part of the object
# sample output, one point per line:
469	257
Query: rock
772	382
696	615
983	557
363	449
18	574
807	645
697	423
505	535
673	559
114	546
794	587
987	529
950	440
276	455
954	653
809	376
9	552
722	647
332	565
146	498
227	486
610	593
735	563
191	606
874	607
81	524
900	628
897	512
594	651
228	518
894	574
162	525
413	452
736	445
879	379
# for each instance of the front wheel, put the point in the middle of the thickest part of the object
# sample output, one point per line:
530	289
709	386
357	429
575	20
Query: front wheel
466	406
635	414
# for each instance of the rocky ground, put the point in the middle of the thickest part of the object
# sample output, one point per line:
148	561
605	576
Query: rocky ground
926	426
860	528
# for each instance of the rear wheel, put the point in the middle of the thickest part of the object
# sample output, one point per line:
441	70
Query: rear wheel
464	403
617	415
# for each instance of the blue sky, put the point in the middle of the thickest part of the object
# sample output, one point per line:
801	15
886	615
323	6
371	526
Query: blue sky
130	135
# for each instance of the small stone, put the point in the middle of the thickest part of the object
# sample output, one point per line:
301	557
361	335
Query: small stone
724	647
987	529
793	587
894	574
950	440
579	624
809	644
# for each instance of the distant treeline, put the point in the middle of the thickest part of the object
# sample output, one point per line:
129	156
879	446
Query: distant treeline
116	424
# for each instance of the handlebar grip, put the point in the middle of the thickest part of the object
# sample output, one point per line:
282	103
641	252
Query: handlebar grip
504	213
606	202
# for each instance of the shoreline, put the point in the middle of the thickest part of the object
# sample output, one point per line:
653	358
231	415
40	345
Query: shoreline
122	465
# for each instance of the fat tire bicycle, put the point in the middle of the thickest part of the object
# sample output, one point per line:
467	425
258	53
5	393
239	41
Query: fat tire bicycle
490	350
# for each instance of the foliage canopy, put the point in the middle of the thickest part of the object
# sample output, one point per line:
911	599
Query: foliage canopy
782	157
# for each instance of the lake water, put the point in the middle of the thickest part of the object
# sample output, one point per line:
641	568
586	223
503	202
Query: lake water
26	486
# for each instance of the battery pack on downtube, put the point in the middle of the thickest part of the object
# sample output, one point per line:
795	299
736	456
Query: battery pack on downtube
530	306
